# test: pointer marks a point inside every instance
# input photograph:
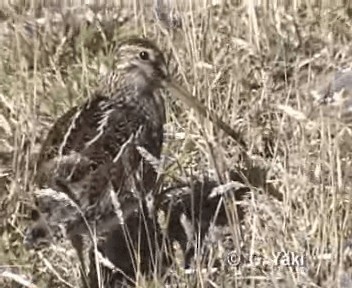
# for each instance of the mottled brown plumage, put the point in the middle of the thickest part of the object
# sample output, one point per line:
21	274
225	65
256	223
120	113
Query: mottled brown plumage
127	103
91	164
92	150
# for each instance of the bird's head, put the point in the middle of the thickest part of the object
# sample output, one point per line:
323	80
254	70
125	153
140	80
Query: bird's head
143	61
144	66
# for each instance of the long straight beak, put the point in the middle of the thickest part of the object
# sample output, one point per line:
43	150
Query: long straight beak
193	102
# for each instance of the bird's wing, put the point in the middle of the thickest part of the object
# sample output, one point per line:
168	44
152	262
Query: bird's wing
82	127
55	136
95	132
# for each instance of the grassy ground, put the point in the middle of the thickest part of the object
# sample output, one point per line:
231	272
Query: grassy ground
253	66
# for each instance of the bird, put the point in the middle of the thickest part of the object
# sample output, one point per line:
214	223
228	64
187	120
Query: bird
128	103
90	171
91	154
93	149
95	145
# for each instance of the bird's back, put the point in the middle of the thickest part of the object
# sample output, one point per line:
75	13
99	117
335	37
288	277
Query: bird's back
99	128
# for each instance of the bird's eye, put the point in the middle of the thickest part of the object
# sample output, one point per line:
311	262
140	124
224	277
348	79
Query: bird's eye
144	55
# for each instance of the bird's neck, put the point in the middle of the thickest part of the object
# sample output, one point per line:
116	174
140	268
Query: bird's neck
119	84
122	82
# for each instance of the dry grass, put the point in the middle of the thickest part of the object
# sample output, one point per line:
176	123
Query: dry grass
254	67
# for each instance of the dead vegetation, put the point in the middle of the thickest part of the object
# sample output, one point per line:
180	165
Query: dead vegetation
252	66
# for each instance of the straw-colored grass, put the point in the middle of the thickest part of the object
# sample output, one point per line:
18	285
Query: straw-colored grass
252	65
